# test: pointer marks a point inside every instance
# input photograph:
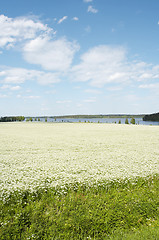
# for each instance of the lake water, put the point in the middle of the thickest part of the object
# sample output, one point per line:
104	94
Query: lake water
100	120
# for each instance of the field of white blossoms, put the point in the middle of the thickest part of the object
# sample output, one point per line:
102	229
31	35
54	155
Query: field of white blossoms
35	154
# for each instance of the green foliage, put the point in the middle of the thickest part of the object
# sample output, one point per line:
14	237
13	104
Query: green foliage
151	117
126	121
145	232
38	119
45	119
108	210
132	121
12	119
30	119
119	121
100	116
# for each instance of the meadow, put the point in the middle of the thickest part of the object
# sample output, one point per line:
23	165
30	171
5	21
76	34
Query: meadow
79	181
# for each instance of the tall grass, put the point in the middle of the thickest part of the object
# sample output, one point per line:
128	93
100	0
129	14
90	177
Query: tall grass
127	209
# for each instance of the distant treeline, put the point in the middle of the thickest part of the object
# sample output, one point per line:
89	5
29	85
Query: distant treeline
12	119
101	116
151	117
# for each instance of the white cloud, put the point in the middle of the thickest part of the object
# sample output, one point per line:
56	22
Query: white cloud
90	100
153	86
5	87
145	76
37	45
150	74
92	9
13	88
32	97
3	96
107	64
75	18
28	97
62	19
114	88
51	55
14	30
93	91
87	1
20	75
2	73
15	75
63	101
100	65
132	98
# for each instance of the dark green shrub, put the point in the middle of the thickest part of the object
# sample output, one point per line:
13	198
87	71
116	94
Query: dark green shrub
126	121
132	121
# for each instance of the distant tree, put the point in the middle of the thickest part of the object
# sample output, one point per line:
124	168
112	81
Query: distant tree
55	119
151	117
20	118
30	119
132	120
38	119
126	121
35	119
45	119
119	121
12	119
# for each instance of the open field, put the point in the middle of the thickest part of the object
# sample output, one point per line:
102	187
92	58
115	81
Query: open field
64	153
35	153
79	181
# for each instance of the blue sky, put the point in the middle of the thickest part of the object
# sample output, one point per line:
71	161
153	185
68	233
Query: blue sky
60	57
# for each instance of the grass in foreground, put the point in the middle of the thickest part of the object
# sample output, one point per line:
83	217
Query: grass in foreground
126	209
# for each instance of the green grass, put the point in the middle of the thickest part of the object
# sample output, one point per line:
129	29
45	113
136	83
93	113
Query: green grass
125	209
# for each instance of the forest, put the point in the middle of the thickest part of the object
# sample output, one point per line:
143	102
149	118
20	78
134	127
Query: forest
151	117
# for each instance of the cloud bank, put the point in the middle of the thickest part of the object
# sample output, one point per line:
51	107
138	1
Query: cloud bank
21	75
62	19
105	64
92	9
13	30
51	55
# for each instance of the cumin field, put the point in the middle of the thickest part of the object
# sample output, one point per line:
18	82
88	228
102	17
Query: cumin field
78	181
